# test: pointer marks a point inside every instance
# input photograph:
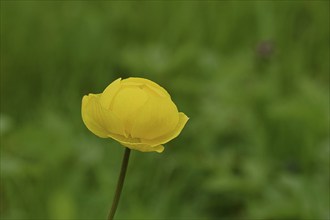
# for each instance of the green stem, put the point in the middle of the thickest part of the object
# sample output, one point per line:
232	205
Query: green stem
120	183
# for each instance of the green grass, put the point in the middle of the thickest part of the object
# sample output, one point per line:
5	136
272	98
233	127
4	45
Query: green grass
257	142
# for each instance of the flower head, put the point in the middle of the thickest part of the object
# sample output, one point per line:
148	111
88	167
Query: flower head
136	112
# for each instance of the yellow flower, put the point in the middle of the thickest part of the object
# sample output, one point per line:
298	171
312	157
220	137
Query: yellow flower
136	112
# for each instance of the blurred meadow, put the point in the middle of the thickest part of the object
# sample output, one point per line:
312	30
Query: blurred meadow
252	76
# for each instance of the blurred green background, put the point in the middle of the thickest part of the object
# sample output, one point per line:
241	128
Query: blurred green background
252	76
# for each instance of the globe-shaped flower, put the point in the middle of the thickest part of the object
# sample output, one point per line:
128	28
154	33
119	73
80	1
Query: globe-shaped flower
136	112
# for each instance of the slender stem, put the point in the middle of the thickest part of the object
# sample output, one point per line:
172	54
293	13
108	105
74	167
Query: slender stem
120	184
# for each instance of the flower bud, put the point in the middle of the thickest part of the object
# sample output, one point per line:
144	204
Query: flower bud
136	112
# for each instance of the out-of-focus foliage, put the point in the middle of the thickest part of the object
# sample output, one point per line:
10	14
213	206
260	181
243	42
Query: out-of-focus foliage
252	76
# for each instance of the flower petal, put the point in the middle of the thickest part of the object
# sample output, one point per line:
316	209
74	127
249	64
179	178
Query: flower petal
126	104
135	144
150	84
109	93
158	116
144	147
97	119
173	134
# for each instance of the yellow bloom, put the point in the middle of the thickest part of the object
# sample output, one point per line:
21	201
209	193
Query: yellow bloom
136	112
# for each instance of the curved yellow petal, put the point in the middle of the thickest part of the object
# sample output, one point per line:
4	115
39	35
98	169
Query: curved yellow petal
126	104
109	93
135	144
148	83
88	119
144	147
171	135
158	116
97	119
